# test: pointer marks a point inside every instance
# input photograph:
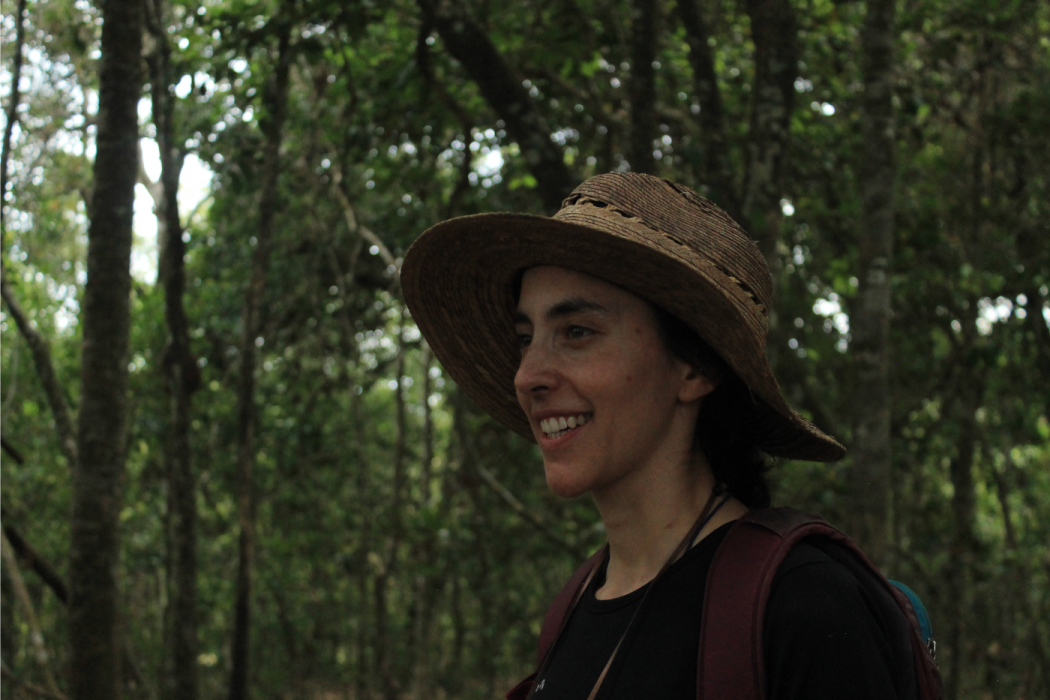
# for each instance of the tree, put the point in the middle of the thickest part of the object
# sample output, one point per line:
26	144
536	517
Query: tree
392	122
276	104
872	450
182	374
645	15
94	609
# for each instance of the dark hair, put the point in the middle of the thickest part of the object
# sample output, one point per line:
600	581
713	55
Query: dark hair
722	428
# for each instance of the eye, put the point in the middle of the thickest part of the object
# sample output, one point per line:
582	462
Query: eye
524	339
577	332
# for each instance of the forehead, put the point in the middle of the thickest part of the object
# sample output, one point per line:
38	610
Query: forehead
542	287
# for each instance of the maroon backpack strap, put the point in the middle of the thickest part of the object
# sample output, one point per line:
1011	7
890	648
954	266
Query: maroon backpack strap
555	619
558	612
730	664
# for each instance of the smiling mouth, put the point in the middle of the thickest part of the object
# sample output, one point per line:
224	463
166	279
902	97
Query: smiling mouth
556	427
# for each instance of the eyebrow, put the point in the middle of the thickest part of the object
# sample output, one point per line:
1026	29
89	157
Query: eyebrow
563	308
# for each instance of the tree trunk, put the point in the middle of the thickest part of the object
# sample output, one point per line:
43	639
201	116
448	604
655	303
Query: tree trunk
502	88
94	659
277	98
774	33
179	677
428	424
363	524
645	18
11	116
392	686
715	172
870	324
962	547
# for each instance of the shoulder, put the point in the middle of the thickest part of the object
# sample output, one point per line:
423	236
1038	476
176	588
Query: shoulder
831	627
814	593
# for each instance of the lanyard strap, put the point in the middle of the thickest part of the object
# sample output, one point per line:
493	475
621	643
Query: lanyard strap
708	512
705	517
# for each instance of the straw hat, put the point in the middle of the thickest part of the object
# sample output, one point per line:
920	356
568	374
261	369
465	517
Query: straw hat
650	236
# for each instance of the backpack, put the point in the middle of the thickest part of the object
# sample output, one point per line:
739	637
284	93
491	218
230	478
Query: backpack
738	588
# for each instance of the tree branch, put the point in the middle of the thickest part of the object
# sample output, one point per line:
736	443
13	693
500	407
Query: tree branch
155	190
501	87
355	228
12	452
41	351
423	62
518	507
35	636
711	119
530	517
37	563
29	687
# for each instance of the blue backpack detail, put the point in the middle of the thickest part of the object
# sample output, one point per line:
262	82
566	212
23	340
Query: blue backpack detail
925	626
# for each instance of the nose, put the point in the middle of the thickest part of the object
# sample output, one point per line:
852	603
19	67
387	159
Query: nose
536	373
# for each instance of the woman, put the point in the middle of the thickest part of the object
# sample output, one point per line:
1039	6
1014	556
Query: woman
626	336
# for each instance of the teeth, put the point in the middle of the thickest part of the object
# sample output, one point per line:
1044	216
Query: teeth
556	427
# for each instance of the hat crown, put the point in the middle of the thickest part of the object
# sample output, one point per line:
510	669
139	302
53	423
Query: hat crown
685	217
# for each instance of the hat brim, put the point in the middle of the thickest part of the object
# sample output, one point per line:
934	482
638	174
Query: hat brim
459	280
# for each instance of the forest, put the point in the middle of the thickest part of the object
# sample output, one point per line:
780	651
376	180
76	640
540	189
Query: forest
232	466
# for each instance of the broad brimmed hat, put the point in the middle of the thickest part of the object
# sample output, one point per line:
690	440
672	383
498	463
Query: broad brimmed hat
650	236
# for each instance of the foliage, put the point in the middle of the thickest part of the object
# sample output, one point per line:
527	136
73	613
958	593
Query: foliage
387	565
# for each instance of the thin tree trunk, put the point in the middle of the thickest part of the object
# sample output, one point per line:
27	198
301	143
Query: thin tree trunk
392	686
645	20
962	547
41	351
362	687
12	381
28	613
428	424
277	109
715	172
400	444
11	115
501	86
381	637
773	30
94	657
10	634
179	678
424	551
870	323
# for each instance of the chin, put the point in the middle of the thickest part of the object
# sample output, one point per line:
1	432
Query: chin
564	481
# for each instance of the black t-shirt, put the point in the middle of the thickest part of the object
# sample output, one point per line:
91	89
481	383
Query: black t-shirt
830	632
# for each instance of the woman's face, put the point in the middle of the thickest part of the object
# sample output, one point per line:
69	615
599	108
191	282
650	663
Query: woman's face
605	398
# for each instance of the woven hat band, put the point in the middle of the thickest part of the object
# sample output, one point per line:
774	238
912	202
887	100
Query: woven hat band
687	219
